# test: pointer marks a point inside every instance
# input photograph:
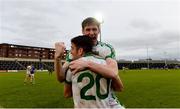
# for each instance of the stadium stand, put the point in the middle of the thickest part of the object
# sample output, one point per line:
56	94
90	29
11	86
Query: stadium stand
153	64
7	64
17	57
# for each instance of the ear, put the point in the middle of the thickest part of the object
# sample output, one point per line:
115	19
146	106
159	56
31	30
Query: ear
80	51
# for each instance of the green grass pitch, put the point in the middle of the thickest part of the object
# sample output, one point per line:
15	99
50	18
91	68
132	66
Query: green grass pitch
143	89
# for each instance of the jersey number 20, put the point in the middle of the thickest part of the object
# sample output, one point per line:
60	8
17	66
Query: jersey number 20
90	85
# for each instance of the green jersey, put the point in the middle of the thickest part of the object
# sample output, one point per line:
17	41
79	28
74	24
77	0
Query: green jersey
91	90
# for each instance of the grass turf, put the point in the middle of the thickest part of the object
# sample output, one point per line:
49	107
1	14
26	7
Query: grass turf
143	89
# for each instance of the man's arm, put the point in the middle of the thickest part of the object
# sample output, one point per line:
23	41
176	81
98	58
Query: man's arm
59	69
67	90
109	71
117	84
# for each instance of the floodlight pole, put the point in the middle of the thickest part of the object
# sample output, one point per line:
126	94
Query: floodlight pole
100	28
165	61
100	34
147	58
178	49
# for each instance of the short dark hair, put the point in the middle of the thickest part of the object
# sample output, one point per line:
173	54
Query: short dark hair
83	41
90	21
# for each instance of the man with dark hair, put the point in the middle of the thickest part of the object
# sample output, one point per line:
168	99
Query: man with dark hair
89	89
85	43
91	28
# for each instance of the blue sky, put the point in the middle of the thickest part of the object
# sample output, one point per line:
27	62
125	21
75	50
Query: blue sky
131	26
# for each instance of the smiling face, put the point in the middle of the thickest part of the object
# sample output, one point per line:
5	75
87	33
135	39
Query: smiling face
91	31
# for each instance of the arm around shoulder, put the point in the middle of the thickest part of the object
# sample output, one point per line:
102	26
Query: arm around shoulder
117	84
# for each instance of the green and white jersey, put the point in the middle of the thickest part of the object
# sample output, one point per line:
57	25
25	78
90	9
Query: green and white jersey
91	90
101	49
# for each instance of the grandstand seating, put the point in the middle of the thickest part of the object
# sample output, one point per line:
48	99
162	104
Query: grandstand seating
21	65
49	65
18	57
160	65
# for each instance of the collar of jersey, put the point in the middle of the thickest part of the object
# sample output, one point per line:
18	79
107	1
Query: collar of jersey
98	43
88	54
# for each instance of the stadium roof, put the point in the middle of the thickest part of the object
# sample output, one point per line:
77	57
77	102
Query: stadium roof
24	46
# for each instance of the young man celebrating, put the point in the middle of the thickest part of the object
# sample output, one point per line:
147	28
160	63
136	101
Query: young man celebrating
89	89
91	28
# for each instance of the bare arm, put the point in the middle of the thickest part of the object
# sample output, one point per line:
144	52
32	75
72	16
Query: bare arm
67	90
59	69
117	84
109	71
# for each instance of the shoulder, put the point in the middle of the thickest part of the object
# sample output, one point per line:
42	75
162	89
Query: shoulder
106	50
94	58
105	45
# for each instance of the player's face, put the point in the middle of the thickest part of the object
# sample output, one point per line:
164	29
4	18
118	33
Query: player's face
75	52
91	31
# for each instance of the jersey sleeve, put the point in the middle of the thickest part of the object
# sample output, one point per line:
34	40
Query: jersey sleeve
68	76
110	52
